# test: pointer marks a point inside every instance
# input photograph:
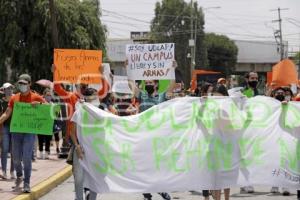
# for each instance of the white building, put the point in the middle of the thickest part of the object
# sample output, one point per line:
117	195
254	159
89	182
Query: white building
257	56
116	53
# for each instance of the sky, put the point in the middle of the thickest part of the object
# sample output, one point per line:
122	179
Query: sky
238	19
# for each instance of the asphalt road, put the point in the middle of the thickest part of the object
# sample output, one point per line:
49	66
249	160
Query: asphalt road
65	191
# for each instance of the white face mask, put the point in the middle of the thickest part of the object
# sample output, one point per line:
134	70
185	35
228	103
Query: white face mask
23	88
288	98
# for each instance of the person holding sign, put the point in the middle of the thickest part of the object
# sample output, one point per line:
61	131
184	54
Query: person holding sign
71	98
7	89
22	144
45	139
148	98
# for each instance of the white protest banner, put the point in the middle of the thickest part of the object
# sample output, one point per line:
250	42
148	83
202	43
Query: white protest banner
150	61
120	85
192	144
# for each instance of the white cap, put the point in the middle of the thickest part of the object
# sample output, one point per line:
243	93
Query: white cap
6	85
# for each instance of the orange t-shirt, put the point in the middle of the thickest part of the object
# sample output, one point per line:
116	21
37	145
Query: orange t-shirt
29	98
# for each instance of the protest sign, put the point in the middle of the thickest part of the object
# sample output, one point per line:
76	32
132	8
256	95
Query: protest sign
77	65
36	119
192	144
120	85
150	61
107	74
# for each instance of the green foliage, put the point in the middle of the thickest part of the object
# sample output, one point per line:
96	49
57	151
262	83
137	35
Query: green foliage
222	53
26	39
172	23
296	58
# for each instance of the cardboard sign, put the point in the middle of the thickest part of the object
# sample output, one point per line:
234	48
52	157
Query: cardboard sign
77	65
150	61
37	119
121	85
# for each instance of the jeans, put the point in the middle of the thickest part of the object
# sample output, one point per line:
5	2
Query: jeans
78	180
44	139
6	147
22	148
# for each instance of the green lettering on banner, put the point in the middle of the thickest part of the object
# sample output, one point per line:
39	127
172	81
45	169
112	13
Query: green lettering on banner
93	127
211	152
151	126
290	155
236	113
208	113
131	128
166	150
159	145
256	145
255	121
109	159
38	119
290	110
219	155
173	144
200	152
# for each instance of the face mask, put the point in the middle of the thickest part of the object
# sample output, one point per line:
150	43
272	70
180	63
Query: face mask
8	92
288	98
48	98
253	84
23	88
149	89
279	97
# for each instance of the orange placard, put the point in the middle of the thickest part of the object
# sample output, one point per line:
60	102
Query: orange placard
284	73
77	65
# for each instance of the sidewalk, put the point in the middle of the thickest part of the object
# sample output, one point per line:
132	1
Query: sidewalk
46	175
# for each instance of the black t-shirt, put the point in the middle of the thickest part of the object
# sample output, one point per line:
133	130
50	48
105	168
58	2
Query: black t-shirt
3	107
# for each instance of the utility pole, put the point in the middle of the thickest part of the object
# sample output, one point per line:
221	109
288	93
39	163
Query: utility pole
192	40
281	48
53	24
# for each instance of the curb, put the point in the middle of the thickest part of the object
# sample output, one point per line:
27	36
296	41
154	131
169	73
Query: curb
45	186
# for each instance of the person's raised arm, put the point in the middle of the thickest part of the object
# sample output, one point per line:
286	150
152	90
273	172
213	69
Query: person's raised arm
173	82
57	87
5	115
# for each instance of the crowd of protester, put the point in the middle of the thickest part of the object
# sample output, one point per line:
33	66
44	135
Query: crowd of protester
21	147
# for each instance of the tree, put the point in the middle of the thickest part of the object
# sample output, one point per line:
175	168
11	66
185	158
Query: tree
296	58
172	23
26	39
221	53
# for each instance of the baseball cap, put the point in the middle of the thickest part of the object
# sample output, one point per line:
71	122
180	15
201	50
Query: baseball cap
221	79
6	85
24	78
